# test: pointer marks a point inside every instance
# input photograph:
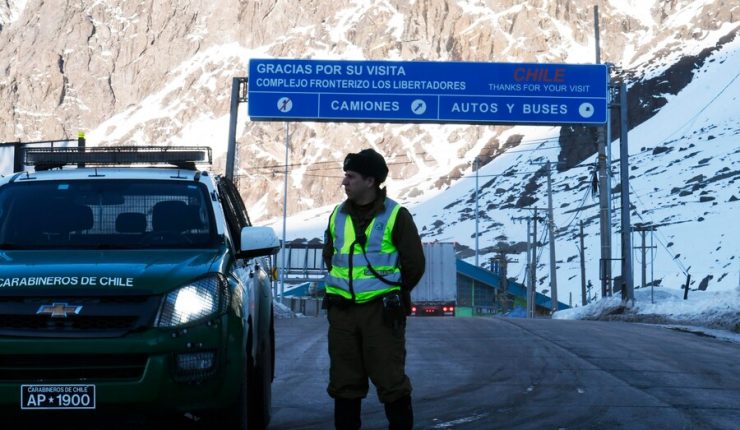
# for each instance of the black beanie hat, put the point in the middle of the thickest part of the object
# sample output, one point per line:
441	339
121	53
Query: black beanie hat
367	163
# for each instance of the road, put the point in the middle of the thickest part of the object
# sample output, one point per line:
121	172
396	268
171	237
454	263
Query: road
500	373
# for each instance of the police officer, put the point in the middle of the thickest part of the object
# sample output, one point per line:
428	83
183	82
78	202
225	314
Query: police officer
374	256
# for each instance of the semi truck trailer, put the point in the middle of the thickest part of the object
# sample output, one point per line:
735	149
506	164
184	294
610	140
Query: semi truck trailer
436	292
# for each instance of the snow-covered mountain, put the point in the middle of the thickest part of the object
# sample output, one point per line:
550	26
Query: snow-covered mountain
159	72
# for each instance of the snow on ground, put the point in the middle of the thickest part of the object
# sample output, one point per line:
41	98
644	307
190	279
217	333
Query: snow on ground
713	313
282	311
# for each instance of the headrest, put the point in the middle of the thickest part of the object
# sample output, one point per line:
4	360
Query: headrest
81	218
175	215
131	222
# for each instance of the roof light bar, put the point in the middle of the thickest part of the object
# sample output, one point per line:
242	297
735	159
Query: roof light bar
45	158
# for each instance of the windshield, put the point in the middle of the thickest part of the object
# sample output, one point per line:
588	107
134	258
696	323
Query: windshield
102	214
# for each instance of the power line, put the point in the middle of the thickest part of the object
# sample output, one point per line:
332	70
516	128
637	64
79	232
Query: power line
394	163
674	259
424	153
578	210
425	158
691	120
275	166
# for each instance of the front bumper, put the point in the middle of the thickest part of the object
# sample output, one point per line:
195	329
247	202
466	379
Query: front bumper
137	371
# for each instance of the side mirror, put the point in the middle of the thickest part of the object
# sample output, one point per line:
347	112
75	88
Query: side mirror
258	241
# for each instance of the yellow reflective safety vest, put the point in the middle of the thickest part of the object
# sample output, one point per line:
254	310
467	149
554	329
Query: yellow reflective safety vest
350	276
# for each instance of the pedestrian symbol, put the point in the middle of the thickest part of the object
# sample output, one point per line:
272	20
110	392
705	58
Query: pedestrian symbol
285	104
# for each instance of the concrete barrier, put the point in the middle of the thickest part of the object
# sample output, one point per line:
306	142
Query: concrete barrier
308	306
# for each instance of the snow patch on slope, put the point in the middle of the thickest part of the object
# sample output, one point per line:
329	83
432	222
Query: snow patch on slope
160	110
11	14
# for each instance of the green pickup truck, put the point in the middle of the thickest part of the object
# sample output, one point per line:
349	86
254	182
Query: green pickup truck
129	289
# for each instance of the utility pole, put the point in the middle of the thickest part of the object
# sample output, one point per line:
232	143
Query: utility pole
533	267
551	233
504	272
502	269
529	262
652	267
502	301
581	251
504	261
627	275
643	228
644	258
596	34
605	262
476	165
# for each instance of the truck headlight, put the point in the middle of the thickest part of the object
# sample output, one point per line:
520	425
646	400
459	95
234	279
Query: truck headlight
197	300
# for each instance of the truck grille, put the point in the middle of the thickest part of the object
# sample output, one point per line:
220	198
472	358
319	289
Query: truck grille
38	322
58	367
76	316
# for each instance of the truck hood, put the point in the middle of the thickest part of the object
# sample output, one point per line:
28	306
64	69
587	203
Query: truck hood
149	271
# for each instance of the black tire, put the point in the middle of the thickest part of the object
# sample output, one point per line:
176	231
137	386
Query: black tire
236	414
259	383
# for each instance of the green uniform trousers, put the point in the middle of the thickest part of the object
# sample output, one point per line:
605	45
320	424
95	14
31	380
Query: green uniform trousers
361	346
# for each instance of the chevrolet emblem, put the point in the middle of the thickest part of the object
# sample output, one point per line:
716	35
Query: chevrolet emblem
58	310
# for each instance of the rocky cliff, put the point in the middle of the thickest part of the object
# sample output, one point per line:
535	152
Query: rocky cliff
149	72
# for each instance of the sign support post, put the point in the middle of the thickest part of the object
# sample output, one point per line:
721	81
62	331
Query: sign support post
284	268
236	98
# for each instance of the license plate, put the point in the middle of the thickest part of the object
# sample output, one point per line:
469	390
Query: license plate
58	396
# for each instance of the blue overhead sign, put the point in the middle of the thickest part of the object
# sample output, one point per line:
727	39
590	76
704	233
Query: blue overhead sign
426	91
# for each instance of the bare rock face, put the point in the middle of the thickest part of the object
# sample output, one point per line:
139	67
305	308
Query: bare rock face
146	72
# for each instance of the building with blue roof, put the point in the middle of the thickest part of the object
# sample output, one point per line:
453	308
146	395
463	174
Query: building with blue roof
480	291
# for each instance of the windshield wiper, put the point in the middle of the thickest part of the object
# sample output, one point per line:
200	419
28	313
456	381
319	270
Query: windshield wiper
9	245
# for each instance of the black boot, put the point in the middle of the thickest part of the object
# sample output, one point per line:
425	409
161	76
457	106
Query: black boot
400	415
347	414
